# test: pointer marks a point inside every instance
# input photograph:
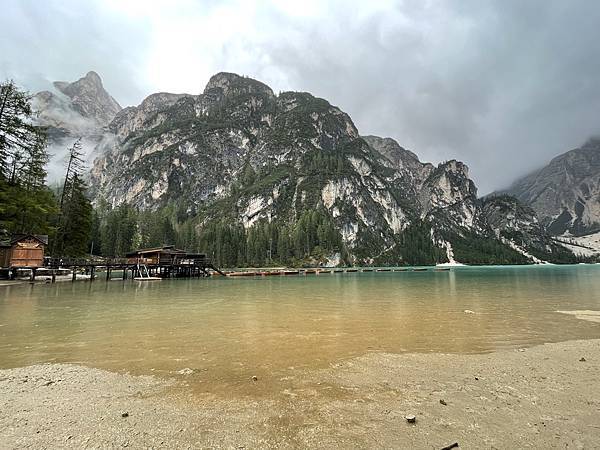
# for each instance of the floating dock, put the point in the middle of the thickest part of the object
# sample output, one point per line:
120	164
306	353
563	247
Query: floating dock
329	271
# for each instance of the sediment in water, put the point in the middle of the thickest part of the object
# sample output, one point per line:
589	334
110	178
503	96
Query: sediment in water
546	396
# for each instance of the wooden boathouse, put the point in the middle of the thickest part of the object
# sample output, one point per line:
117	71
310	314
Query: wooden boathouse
165	255
149	263
23	251
167	261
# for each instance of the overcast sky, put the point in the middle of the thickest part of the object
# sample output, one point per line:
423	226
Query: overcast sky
502	85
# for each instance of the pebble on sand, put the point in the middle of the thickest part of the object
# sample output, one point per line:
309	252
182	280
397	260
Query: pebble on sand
411	418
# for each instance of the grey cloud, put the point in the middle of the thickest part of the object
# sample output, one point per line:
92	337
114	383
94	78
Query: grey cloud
502	85
62	40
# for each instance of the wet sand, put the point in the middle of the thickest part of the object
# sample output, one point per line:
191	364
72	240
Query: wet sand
546	396
590	316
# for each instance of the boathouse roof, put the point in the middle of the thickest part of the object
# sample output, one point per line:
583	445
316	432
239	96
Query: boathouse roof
9	241
164	249
168	249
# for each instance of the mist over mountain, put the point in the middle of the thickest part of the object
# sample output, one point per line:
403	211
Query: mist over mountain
566	192
71	110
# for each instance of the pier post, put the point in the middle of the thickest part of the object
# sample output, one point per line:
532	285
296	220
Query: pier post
107	272
53	275
92	273
74	273
125	273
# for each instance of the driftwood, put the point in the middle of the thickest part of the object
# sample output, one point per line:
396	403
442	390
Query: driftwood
451	446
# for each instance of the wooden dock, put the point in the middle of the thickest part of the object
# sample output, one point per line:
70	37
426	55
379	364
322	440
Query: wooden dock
126	269
328	271
143	269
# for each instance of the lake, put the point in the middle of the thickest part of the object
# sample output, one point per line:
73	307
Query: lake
228	329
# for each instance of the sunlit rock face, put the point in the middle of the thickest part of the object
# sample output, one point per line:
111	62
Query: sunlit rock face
566	193
240	152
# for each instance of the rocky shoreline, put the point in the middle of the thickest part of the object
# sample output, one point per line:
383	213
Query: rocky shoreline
542	397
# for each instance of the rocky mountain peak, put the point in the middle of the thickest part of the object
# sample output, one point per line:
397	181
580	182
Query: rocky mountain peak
506	213
389	148
229	84
565	194
592	143
89	98
400	157
134	118
93	77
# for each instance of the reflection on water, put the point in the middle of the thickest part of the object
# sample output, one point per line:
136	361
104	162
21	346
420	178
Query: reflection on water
229	328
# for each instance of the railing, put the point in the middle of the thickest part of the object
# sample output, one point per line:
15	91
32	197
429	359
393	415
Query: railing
60	262
80	262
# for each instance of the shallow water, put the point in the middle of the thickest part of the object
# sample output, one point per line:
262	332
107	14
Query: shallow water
229	329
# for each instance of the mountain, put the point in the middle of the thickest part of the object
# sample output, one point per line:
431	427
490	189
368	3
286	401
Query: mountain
76	107
82	109
566	193
90	99
240	156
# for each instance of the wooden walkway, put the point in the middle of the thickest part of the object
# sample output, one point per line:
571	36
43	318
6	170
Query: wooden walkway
324	271
190	269
197	268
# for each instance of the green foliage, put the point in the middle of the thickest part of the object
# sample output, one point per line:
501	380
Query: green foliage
416	246
26	210
26	203
118	229
22	145
473	249
75	223
311	237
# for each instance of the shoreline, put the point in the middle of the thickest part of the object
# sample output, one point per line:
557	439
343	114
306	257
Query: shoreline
544	396
265	271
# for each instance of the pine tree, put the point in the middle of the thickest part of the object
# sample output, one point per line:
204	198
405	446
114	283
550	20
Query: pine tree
76	221
26	204
21	143
72	202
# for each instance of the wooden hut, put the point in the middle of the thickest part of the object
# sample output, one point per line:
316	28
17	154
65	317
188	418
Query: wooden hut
23	250
167	255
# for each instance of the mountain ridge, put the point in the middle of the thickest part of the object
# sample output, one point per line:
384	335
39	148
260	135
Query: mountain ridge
565	193
241	154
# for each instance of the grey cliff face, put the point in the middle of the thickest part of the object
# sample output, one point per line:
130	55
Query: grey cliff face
518	226
89	98
82	109
449	195
566	193
79	109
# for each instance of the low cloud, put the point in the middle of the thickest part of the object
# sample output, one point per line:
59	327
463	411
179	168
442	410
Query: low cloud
502	85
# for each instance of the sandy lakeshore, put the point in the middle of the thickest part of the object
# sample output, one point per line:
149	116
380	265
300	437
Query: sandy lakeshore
542	397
